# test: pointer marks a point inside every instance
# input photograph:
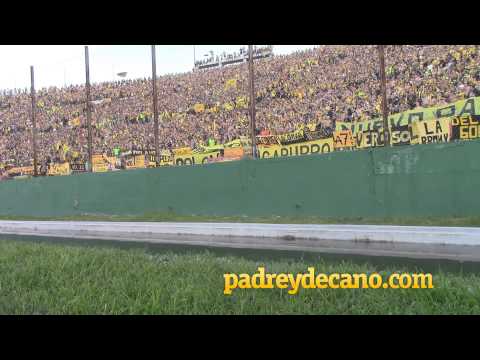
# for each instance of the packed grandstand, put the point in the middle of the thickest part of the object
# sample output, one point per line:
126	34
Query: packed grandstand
319	100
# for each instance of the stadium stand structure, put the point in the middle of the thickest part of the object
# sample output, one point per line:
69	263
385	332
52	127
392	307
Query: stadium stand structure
321	86
224	59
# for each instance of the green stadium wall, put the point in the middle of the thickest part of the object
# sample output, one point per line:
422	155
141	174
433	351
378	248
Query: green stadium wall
408	181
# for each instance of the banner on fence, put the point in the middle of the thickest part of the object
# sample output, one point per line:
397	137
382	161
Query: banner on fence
151	160
469	106
456	121
208	149
21	170
431	131
343	139
233	144
291	137
465	127
182	151
235	153
111	162
284	139
401	135
59	169
99	164
369	139
78	167
135	162
165	160
194	159
311	135
304	148
267	140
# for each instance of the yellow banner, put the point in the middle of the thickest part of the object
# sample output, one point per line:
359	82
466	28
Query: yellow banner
182	151
23	170
136	162
305	148
233	144
165	160
431	131
369	139
112	160
469	106
208	149
99	164
193	159
59	169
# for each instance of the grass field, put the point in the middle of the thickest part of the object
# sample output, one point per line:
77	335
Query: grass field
46	278
419	221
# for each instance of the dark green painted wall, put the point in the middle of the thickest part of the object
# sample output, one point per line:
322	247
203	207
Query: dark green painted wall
421	180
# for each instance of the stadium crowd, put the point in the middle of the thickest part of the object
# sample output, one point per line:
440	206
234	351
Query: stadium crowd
321	86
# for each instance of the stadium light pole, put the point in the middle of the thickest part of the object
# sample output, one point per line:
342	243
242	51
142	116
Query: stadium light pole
89	115
386	133
252	101
155	110
34	122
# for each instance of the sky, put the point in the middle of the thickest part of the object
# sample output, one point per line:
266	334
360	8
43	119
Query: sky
60	65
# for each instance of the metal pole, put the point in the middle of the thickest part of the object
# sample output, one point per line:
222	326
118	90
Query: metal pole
89	115
34	122
252	101
386	133
155	100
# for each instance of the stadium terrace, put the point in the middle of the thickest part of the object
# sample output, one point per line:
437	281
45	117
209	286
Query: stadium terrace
310	95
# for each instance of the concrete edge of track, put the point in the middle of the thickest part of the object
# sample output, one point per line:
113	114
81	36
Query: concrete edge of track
457	243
